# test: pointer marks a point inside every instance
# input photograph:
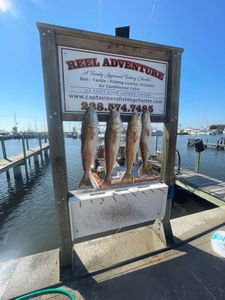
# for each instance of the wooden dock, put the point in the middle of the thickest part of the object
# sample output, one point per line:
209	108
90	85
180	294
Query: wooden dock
208	188
220	145
13	161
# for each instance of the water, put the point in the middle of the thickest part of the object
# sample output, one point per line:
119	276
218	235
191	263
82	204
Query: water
28	222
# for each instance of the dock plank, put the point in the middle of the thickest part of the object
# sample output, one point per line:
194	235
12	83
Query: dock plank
208	188
12	161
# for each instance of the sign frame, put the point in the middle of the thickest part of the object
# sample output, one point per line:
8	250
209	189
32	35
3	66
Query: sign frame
51	37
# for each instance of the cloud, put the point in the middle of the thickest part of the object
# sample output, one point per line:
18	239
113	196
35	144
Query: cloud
6	6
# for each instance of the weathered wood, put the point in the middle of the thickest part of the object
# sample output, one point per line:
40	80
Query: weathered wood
3	148
208	188
56	138
170	137
65	36
171	121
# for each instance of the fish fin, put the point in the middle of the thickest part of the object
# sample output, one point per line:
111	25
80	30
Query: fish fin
106	184
127	177
84	181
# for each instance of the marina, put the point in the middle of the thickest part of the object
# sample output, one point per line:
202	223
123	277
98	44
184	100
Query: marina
124	205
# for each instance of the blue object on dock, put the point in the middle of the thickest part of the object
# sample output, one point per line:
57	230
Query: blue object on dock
199	146
171	192
218	242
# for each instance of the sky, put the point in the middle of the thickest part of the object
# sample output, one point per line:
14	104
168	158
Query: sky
195	25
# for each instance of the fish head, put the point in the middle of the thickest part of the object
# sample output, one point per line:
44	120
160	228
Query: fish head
90	117
115	119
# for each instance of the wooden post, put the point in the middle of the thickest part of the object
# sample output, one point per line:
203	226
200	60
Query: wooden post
170	139
39	139
3	148
40	145
197	161
55	132
24	150
25	157
28	148
5	156
27	144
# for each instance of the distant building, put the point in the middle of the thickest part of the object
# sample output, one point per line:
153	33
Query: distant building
218	127
15	130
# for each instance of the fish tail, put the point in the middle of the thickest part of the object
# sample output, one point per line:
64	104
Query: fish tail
127	177
145	171
106	183
84	181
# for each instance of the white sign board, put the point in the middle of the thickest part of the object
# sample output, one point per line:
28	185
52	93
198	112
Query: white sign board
105	81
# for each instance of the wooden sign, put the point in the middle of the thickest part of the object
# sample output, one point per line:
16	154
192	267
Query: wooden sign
105	81
66	55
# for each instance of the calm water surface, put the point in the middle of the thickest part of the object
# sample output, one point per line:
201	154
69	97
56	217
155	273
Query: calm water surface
28	221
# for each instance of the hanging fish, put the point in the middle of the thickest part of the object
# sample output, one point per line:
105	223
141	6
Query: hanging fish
89	136
112	144
145	141
132	143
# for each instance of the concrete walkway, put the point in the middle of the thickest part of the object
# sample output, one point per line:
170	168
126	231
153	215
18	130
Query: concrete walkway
190	271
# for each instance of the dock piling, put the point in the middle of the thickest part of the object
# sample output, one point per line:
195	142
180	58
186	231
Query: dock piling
24	149
197	161
5	156
39	139
25	156
27	144
3	148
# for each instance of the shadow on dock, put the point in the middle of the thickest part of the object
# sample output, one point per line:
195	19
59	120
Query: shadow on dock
191	271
